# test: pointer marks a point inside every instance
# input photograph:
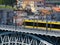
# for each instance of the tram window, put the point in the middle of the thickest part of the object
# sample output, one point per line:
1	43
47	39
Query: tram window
36	24
55	26
29	23
42	24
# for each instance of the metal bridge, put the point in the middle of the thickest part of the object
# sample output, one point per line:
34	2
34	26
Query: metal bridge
15	38
34	31
16	35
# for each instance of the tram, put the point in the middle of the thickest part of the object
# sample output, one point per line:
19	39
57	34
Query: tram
39	24
51	22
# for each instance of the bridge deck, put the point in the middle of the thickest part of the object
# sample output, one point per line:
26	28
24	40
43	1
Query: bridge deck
34	31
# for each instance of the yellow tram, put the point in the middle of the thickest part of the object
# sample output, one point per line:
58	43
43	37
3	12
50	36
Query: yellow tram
39	24
45	25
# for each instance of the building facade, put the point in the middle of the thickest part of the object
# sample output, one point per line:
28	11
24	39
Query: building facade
6	16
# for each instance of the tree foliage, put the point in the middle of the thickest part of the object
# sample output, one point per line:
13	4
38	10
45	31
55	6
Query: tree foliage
1	2
8	2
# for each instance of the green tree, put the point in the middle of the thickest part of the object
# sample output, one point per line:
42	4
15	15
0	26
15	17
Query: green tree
8	2
1	2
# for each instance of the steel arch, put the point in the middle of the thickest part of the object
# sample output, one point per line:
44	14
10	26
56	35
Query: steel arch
34	40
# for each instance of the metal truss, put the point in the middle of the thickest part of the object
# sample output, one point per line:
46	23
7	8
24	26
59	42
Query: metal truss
21	39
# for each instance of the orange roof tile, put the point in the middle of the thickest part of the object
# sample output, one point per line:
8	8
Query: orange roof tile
56	9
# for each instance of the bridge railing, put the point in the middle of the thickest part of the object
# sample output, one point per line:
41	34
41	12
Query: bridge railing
7	26
12	26
27	30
